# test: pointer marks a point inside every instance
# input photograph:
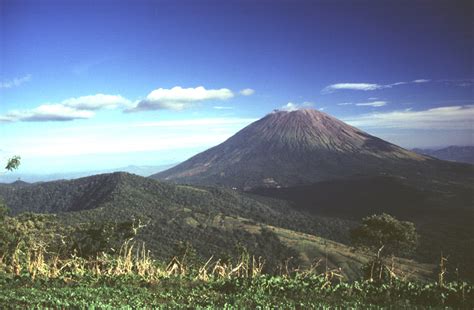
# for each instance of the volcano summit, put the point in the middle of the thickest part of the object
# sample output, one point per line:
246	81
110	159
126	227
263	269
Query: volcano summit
300	147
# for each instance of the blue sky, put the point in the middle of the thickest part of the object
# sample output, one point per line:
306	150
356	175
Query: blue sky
102	84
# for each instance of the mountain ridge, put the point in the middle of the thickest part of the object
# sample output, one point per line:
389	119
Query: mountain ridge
142	170
456	153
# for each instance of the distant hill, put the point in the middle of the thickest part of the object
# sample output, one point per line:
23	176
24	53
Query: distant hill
215	221
32	178
302	147
462	154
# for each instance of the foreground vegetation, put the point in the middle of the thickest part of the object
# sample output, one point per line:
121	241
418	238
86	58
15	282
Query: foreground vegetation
33	276
132	279
263	290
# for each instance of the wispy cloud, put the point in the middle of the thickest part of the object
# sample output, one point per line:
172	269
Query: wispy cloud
374	104
97	102
366	86
217	107
46	112
458	82
68	109
351	86
450	117
290	106
15	82
247	92
178	98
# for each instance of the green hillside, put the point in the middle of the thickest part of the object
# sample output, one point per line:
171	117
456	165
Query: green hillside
209	221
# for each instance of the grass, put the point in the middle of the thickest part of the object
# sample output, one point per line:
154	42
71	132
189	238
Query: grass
132	279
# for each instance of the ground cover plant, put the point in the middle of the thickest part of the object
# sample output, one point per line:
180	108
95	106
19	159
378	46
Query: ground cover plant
35	274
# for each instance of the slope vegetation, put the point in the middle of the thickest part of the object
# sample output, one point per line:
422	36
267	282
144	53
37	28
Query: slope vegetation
213	221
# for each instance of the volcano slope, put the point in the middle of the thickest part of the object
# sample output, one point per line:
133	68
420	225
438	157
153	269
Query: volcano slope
301	147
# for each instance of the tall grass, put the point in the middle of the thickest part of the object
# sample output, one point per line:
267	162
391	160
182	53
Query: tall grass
132	259
181	282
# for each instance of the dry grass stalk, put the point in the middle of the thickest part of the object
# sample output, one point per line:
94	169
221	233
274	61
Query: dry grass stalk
442	270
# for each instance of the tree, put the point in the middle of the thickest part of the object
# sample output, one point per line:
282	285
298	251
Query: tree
13	163
383	236
94	238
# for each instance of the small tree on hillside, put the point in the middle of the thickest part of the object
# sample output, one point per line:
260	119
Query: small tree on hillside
13	163
384	236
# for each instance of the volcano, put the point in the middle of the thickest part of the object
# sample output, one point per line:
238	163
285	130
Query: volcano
300	147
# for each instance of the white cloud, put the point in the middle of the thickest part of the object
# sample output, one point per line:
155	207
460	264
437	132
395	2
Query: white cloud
47	112
394	84
290	106
222	108
247	92
97	102
366	86
68	109
374	104
15	82
178	98
352	86
378	103
5	119
451	117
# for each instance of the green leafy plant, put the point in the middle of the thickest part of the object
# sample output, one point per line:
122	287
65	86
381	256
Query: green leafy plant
383	236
